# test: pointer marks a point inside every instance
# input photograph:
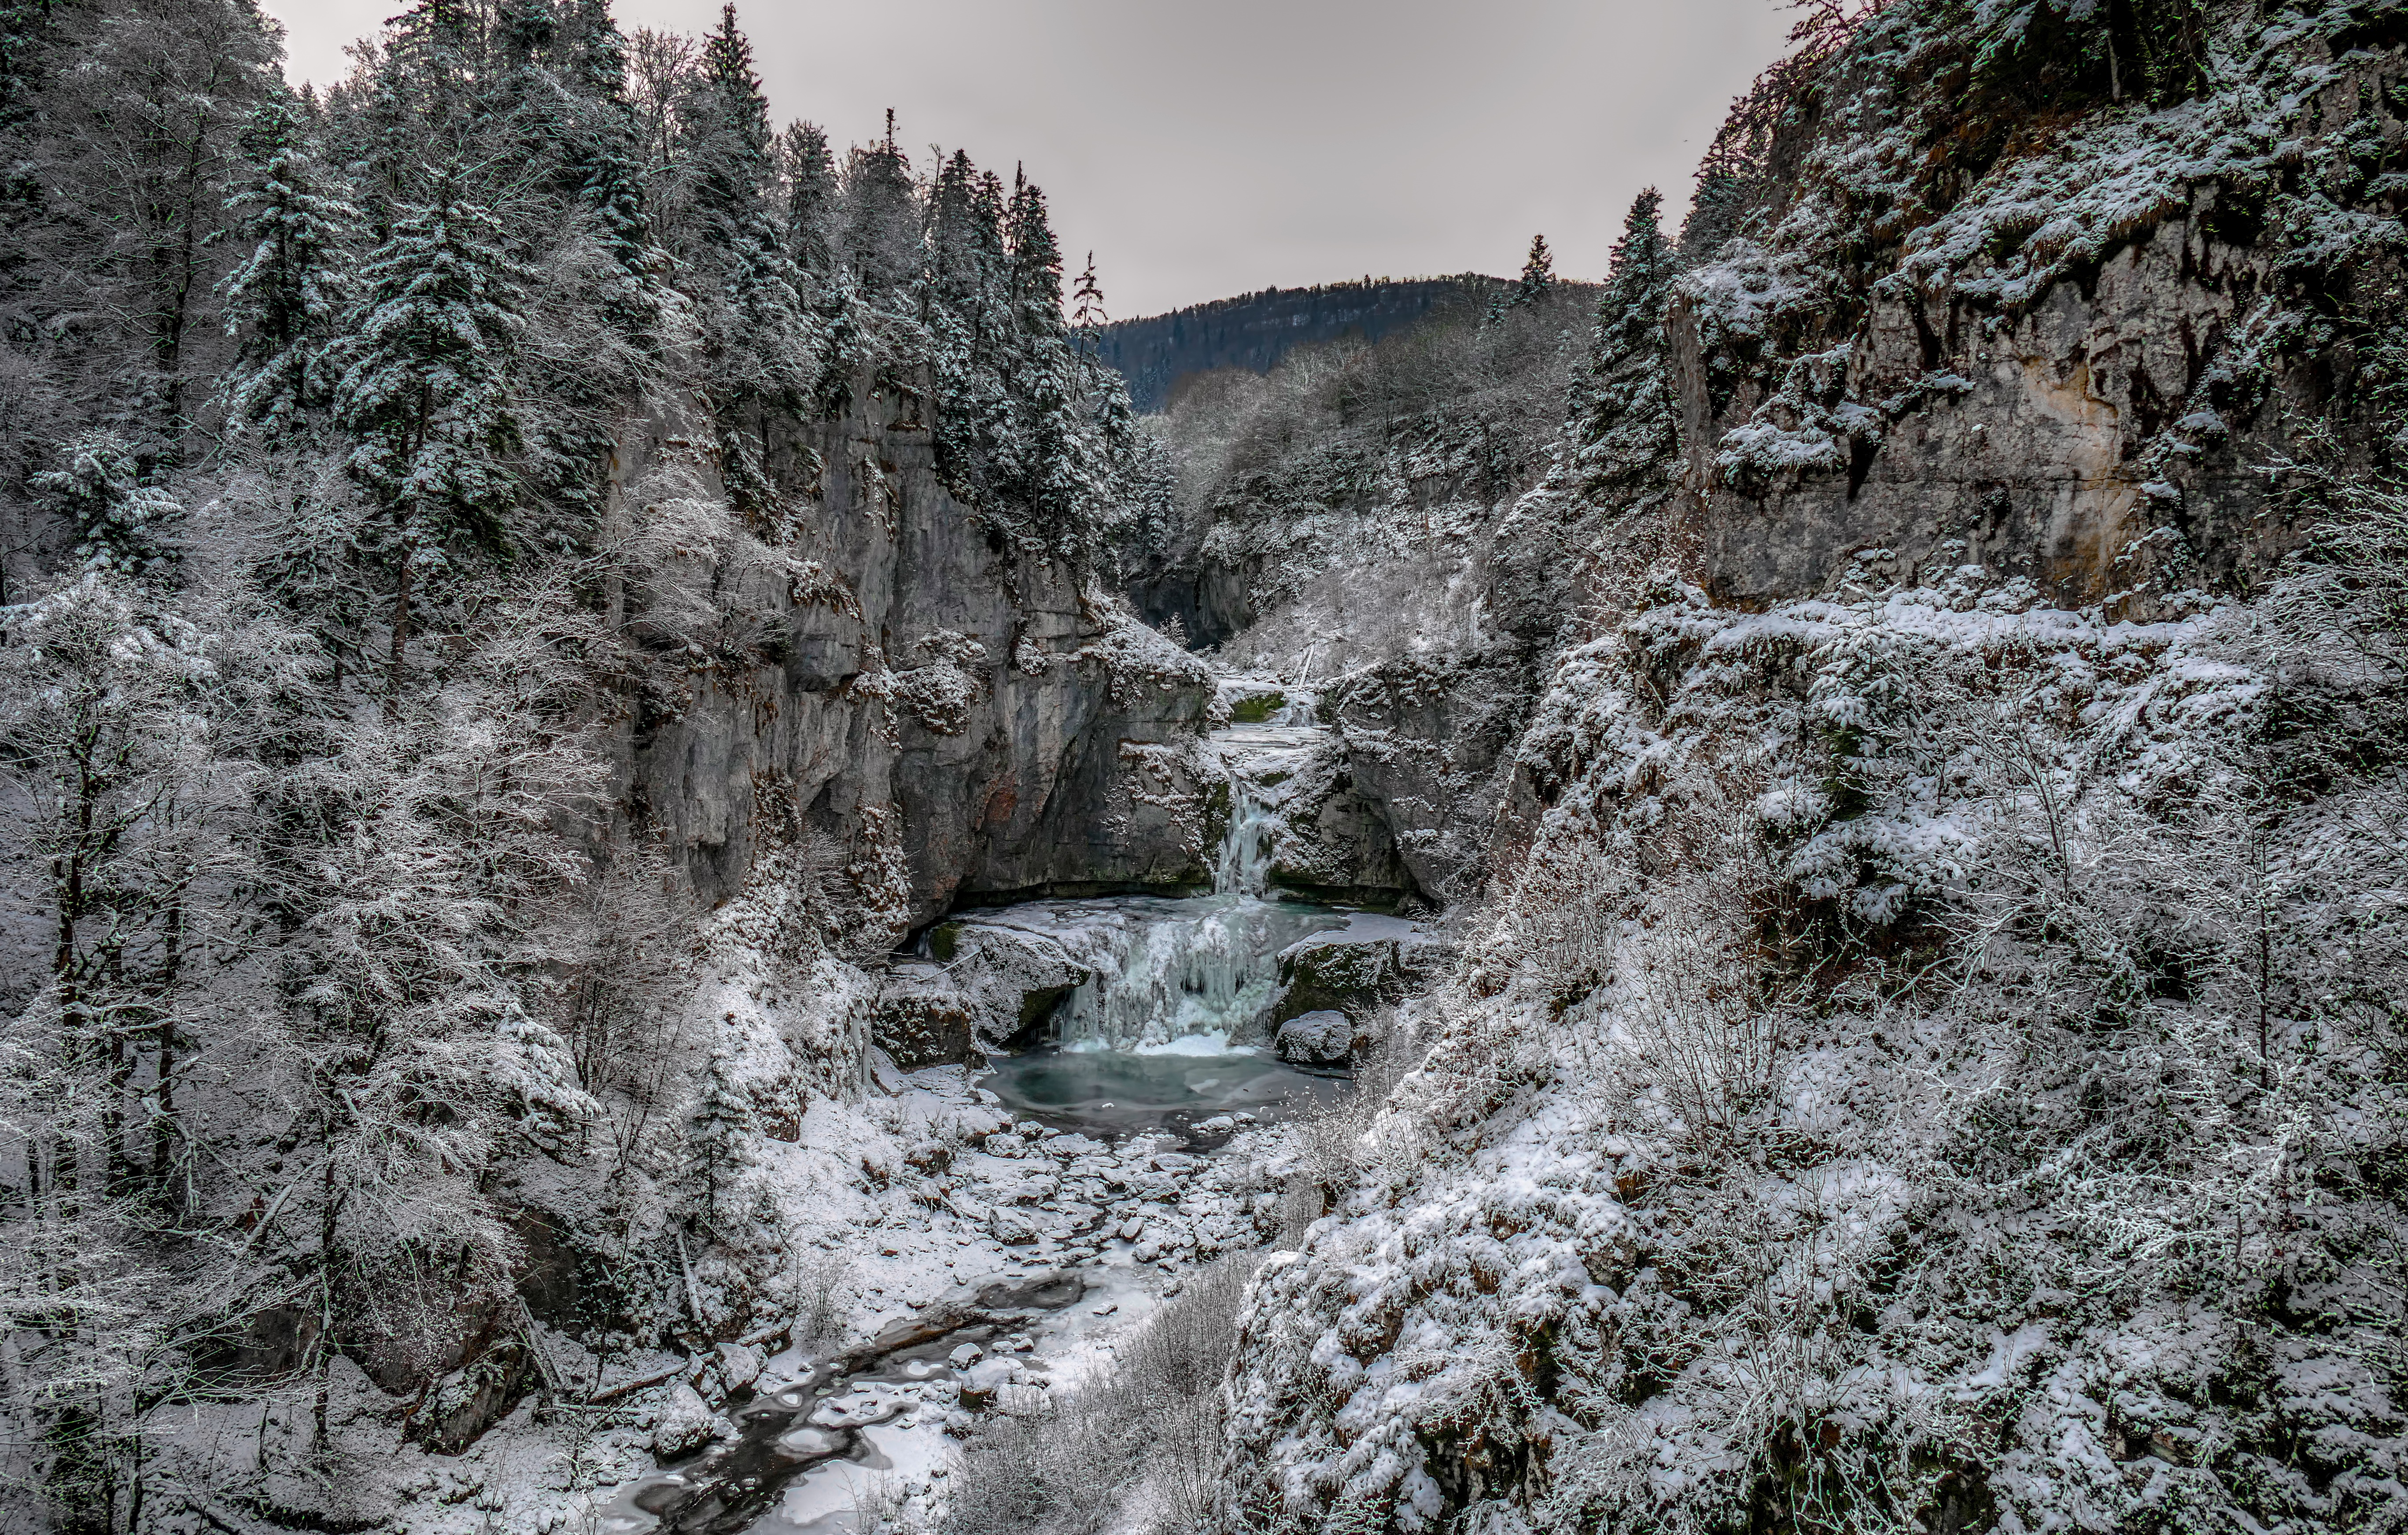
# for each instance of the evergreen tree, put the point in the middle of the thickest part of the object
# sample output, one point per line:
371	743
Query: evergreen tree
716	1130
1035	260
122	527
765	348
604	158
812	200
1087	302
426	397
1623	426
881	224
286	301
1538	274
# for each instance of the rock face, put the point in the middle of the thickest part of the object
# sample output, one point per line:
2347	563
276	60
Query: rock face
2026	446
1324	837
898	704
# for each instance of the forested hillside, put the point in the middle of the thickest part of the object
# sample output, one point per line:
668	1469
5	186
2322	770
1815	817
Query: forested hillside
665	871
426	627
1254	332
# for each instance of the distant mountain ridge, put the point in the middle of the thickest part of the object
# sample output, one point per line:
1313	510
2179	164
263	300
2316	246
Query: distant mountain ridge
1255	330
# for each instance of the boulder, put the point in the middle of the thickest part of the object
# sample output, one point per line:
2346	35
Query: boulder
981	1381
1010	980
684	1423
739	1365
922	1018
1338	972
1315	1039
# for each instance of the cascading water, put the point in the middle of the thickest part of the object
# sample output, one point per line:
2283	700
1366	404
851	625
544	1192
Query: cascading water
1182	990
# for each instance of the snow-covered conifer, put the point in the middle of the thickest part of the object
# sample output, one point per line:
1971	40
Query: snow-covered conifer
1087	301
425	395
122	527
715	1131
1623	425
1538	274
286	301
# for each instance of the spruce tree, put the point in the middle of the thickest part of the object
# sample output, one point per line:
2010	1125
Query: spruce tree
122	527
881	224
1623	423
812	200
764	346
1538	274
426	397
602	156
1087	302
716	1130
286	302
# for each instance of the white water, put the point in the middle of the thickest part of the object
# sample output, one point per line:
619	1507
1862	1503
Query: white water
1182	993
1188	977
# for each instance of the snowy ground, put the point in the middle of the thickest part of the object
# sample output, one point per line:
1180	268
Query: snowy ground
1124	1221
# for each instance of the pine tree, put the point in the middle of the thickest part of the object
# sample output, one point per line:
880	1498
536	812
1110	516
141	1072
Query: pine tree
122	527
1087	303
1623	423
1538	274
426	397
286	302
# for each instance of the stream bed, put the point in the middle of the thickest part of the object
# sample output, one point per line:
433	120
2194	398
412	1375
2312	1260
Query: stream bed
1096	1194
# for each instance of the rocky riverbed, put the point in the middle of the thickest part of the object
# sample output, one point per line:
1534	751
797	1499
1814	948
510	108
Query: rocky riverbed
1012	1258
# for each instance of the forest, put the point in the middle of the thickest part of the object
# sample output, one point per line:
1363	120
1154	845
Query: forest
666	870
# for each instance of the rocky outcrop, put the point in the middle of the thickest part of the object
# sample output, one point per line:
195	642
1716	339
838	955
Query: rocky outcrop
1429	742
982	987
880	694
2072	444
1352	970
2080	369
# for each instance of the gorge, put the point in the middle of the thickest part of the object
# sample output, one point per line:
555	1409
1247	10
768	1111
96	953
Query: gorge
667	871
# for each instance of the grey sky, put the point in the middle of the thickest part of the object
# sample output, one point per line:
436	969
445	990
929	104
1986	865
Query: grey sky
1206	149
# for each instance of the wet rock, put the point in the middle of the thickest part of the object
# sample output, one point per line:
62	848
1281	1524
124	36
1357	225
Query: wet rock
1008	981
983	1380
1315	1039
1372	961
965	1355
1048	1291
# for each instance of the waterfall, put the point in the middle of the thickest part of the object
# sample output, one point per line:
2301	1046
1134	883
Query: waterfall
1190	976
1244	866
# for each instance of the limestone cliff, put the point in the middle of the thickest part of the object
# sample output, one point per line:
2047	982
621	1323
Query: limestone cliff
937	717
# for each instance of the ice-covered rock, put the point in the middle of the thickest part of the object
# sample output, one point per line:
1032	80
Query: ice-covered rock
683	1425
1315	1039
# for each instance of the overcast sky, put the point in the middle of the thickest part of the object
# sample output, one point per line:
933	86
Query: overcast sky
1206	148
